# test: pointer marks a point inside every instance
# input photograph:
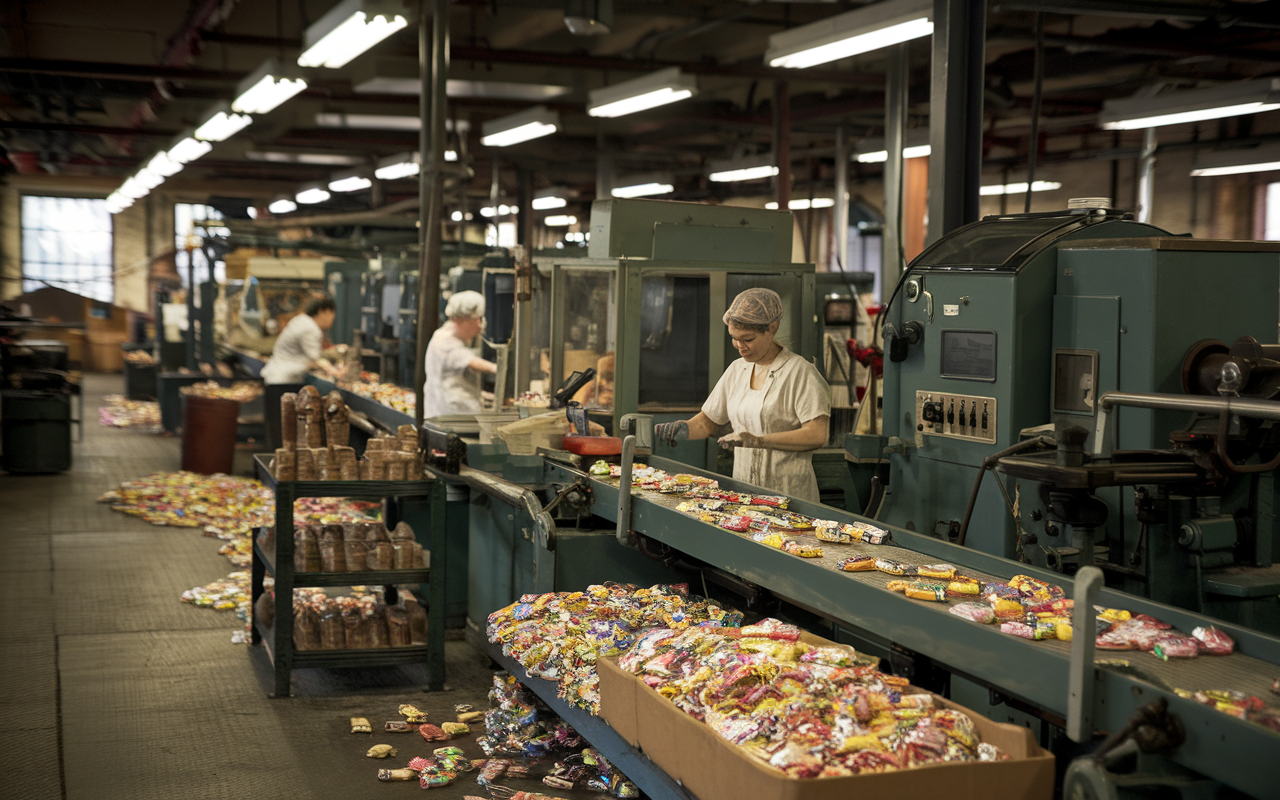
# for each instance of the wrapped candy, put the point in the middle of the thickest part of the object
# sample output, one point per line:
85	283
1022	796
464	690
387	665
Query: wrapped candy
859	563
923	590
361	725
1007	609
978	612
738	524
1019	629
1213	641
1176	646
963	587
891	567
939	571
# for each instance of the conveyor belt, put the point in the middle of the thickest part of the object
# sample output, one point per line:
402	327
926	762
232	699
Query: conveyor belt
1236	671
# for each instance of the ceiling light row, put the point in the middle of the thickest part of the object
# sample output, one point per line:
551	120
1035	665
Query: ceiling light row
164	164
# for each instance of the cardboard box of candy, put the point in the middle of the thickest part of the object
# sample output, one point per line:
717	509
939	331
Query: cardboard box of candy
712	768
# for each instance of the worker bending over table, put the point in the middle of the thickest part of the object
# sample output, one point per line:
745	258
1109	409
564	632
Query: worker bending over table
453	367
776	401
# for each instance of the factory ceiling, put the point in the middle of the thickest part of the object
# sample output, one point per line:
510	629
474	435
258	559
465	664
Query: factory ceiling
95	88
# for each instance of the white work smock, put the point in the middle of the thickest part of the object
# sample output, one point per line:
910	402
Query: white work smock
299	346
452	387
792	394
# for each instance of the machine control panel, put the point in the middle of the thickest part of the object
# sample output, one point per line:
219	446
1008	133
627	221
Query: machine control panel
957	416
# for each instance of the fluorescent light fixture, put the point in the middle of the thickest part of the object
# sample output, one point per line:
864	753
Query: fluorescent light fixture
186	148
560	220
645	186
386	122
401	165
804	204
267	87
147	178
653	90
871	150
221	123
324	159
1191	105
117	202
860	31
500	210
457	216
398	75
282	205
1264	158
164	166
312	194
516	128
348	29
751	169
1018	188
352	181
549	203
132	189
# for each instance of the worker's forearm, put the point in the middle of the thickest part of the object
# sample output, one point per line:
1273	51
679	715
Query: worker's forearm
809	436
701	426
482	366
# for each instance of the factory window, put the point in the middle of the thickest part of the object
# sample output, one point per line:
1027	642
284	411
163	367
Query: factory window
66	243
1271	225
193	218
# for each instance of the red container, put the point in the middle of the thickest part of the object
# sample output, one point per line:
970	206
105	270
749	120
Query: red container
592	445
208	434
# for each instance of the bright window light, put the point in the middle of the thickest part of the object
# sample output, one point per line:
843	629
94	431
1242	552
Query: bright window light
188	149
312	195
267	87
282	206
516	128
655	89
222	126
345	32
560	220
878	156
351	183
1019	188
164	166
860	31
1191	105
804	204
744	174
549	203
643	190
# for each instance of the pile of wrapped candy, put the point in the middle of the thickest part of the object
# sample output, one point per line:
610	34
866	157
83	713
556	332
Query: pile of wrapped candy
1237	704
590	770
240	391
558	636
139	357
351	622
118	412
232	593
388	394
189	500
518	725
809	711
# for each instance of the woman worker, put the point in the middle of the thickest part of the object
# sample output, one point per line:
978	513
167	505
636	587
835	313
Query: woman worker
453	369
777	402
296	352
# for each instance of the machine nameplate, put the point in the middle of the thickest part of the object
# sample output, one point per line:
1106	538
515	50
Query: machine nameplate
951	310
956	416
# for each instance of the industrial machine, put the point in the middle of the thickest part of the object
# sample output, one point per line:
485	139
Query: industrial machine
1026	333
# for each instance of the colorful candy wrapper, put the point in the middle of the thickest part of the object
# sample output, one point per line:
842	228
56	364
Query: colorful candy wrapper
397	726
1214	641
360	725
891	567
839	533
859	563
454	728
411	713
1007	609
897	586
803	550
738	524
938	571
978	612
922	590
1175	645
432	733
1018	629
963	587
397	774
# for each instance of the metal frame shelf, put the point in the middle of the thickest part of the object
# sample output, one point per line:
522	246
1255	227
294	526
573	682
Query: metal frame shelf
278	640
652	780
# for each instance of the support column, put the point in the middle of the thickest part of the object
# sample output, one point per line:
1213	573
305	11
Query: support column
433	73
955	121
782	141
897	80
840	211
1146	174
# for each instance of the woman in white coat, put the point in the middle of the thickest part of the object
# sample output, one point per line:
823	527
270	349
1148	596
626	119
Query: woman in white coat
776	402
453	366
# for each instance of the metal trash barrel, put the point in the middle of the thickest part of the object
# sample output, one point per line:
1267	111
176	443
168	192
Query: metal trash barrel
35	431
208	434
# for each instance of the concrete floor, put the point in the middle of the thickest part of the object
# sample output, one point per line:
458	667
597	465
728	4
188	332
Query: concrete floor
112	688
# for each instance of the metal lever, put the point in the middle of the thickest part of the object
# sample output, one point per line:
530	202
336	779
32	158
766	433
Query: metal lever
624	491
928	305
1081	676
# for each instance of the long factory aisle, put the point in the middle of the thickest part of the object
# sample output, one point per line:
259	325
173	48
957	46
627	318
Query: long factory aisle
112	688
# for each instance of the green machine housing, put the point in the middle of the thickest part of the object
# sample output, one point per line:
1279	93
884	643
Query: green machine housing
1016	324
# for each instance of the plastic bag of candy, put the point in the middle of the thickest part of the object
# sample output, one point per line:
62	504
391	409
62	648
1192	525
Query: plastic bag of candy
1214	641
977	612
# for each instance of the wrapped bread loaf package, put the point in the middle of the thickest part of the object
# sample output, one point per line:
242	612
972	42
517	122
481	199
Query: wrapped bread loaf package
289	420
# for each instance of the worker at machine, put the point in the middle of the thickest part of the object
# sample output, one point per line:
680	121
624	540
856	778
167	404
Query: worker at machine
298	349
776	402
453	368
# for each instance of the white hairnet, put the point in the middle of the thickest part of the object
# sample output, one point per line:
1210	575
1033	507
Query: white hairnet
754	308
465	305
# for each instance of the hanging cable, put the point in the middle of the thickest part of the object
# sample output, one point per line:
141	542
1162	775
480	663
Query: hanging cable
1033	149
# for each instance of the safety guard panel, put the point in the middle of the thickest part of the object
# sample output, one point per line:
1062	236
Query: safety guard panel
958	416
